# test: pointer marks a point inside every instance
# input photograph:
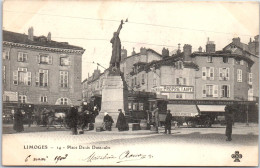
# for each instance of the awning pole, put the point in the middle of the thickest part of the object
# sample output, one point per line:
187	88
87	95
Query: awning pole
247	124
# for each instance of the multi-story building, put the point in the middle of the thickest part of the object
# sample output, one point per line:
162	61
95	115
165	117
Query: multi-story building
188	82
144	56
40	71
250	51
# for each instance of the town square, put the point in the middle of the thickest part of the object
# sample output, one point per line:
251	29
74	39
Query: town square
130	83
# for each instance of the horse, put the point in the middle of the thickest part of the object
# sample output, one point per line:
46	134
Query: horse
56	118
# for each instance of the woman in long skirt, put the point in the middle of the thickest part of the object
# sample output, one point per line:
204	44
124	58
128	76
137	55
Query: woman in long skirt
18	121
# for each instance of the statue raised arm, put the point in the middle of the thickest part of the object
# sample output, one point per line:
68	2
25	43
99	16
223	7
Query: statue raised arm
116	48
120	27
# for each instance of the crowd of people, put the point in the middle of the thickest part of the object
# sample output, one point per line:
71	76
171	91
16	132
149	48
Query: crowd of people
84	117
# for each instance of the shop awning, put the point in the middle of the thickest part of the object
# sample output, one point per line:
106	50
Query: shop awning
183	109
211	108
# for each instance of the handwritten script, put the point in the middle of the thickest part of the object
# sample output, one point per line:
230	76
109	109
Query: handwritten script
126	156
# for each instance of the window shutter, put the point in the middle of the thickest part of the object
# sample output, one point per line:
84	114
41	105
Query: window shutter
50	59
222	91
184	81
220	74
69	61
46	77
204	73
240	75
204	91
211	73
38	58
29	78
215	90
228	90
15	77
227	74
20	55
177	81
25	57
37	78
8	54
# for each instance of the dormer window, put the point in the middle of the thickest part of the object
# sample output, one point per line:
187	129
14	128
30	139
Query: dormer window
225	59
209	59
179	65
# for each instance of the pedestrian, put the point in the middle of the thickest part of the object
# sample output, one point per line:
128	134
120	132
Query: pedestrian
72	119
121	123
229	121
156	119
18	120
44	117
29	115
108	121
168	121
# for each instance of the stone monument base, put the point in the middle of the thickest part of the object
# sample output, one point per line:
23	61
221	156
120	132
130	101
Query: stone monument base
112	99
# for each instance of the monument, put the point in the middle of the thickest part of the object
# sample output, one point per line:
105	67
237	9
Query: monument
114	91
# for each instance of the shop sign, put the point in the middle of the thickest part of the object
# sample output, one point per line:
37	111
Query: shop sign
10	96
184	114
174	89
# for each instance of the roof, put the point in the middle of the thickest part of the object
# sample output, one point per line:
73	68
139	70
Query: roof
169	61
241	46
137	54
224	54
37	41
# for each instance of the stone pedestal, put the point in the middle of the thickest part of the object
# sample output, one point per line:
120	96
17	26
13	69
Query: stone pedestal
114	97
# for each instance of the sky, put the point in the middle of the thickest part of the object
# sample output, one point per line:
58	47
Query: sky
155	24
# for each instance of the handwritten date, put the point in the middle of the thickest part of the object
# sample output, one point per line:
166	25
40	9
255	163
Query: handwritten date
43	159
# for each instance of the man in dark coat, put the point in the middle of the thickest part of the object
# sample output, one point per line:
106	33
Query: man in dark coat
121	123
18	121
44	117
229	121
108	121
73	119
168	120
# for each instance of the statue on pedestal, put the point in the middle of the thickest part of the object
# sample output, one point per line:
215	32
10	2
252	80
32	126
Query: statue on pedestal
116	49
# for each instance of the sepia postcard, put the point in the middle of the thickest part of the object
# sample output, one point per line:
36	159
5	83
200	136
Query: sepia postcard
130	83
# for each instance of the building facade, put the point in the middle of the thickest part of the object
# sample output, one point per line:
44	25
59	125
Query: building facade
40	71
189	82
251	51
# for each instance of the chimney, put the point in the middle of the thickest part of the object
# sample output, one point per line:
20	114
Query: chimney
143	51
133	52
30	33
123	54
210	46
96	73
187	52
200	49
165	52
49	36
236	41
